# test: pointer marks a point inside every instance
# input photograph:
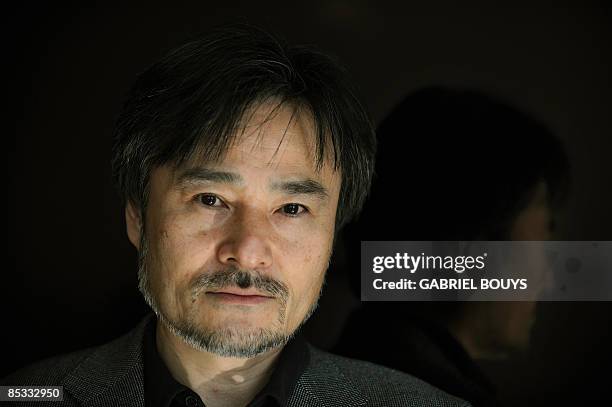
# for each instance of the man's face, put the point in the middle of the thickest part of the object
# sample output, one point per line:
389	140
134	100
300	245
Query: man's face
235	251
512	322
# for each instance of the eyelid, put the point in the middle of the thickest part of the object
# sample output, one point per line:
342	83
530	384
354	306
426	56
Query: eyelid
304	210
221	201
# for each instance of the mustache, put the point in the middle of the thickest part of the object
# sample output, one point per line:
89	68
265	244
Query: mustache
235	277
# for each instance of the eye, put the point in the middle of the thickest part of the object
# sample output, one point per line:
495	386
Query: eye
293	209
209	200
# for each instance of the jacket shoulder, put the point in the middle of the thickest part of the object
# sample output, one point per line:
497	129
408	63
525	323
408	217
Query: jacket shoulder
47	372
382	386
54	370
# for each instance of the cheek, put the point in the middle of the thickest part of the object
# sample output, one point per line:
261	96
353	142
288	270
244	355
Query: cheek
532	224
305	267
520	318
179	250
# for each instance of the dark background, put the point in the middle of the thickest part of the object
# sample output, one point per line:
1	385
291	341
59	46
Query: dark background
70	277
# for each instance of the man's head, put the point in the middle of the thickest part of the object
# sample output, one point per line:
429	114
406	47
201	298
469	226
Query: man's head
239	157
470	162
472	168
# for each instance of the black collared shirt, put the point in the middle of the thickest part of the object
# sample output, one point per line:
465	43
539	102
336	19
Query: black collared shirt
162	390
416	346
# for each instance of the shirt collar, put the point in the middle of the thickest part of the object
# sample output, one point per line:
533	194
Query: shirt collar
289	367
161	388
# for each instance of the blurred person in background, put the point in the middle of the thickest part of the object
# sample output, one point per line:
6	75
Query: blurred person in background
454	165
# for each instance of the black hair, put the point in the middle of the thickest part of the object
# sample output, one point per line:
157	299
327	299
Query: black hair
457	164
193	101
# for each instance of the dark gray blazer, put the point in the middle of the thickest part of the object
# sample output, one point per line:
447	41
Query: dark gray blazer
112	375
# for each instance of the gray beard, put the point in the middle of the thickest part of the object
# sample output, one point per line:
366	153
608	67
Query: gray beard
226	342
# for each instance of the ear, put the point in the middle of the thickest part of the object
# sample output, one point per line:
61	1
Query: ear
133	221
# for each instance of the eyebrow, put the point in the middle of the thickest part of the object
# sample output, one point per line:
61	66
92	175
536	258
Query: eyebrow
302	187
199	175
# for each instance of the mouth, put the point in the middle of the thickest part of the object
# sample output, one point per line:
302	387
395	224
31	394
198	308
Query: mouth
237	296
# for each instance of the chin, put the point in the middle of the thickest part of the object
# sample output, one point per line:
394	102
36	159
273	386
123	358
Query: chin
264	319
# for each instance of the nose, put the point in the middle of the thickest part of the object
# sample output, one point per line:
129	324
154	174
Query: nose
247	241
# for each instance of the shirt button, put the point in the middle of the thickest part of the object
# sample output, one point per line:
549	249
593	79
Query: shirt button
191	401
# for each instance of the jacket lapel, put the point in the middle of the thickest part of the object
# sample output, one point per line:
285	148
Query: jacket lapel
323	384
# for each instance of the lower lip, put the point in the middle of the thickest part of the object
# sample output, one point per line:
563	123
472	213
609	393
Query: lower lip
239	299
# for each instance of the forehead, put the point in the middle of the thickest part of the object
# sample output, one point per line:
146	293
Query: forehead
275	138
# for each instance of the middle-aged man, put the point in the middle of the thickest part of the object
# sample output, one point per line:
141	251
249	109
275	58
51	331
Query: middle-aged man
239	158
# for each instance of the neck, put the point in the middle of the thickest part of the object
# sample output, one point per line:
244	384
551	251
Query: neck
219	381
